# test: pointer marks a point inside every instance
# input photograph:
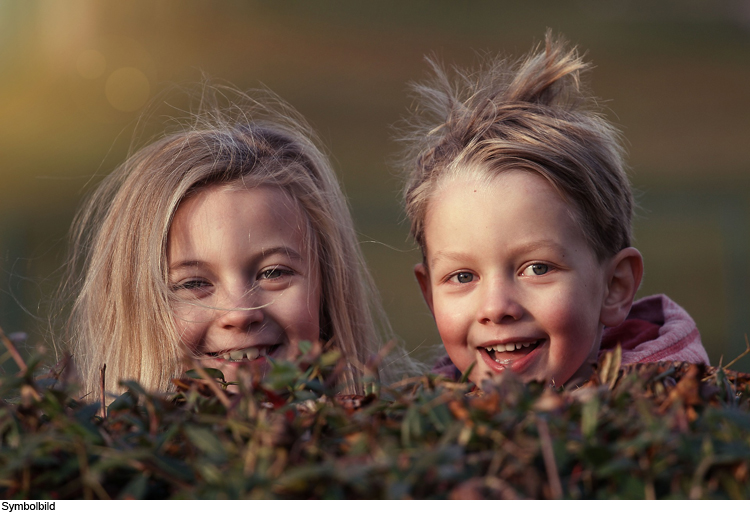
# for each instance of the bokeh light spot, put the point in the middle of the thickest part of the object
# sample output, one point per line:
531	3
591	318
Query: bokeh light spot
127	89
91	64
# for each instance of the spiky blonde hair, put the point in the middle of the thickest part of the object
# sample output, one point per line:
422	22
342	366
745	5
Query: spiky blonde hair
532	114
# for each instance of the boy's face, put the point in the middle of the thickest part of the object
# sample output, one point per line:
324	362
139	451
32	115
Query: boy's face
510	279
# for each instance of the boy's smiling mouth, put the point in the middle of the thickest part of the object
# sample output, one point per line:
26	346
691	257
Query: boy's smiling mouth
502	355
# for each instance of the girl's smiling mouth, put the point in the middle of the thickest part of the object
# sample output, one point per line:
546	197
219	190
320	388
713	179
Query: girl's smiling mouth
242	354
500	356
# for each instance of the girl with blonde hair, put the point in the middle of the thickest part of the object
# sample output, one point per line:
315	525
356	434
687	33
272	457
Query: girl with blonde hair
224	242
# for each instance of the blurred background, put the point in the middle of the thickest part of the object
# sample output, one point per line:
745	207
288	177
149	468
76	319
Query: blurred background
674	75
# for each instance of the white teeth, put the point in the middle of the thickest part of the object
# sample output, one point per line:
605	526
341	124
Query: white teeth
239	355
509	347
504	361
252	353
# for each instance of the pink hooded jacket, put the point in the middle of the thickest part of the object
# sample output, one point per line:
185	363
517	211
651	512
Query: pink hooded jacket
656	329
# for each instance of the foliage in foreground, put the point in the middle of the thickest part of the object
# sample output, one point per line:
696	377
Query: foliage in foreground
667	430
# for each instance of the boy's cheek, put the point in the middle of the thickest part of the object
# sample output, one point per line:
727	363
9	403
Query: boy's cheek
453	333
449	325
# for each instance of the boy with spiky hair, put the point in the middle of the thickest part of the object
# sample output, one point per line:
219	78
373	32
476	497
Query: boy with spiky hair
519	200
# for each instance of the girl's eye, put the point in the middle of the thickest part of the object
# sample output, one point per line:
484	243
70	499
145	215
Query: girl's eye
463	277
535	269
192	284
192	288
274	273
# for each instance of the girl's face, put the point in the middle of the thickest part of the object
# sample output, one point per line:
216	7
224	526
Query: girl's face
244	281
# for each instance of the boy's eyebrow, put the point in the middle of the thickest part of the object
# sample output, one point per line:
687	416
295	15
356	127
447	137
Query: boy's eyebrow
265	252
538	244
521	248
448	255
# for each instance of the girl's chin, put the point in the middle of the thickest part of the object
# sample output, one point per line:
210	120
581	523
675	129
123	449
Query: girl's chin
232	370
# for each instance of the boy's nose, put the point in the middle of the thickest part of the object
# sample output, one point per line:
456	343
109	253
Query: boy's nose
499	304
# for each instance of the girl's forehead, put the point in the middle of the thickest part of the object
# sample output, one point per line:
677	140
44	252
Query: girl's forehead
234	196
220	208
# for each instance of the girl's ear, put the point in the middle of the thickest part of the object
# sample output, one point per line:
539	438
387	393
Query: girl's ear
625	271
423	278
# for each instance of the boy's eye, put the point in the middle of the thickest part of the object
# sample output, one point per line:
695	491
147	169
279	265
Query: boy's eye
463	277
535	269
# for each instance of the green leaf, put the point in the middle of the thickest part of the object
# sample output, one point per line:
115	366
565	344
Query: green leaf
133	386
465	375
126	400
136	488
214	373
206	441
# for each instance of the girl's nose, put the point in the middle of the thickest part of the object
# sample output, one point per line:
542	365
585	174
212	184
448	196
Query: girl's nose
499	303
241	312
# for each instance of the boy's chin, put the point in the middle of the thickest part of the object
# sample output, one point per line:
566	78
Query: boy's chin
581	376
478	376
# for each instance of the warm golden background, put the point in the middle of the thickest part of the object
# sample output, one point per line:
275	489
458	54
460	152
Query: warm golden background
675	76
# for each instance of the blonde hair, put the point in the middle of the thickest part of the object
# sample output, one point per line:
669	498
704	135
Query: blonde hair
121	314
532	115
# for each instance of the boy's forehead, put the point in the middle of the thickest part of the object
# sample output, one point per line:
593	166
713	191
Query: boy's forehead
484	180
468	200
469	174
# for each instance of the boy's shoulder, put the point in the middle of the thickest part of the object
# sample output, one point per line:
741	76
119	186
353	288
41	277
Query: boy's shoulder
656	329
445	367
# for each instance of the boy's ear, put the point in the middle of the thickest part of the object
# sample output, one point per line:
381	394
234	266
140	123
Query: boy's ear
423	278
625	271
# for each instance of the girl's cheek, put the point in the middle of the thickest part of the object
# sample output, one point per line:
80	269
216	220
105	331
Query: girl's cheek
190	324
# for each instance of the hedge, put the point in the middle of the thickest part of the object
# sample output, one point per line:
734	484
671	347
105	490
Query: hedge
662	430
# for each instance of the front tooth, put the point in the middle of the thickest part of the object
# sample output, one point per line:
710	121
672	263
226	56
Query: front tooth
251	353
236	355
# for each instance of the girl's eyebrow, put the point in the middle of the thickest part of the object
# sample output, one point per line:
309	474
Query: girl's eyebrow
286	250
187	264
265	252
